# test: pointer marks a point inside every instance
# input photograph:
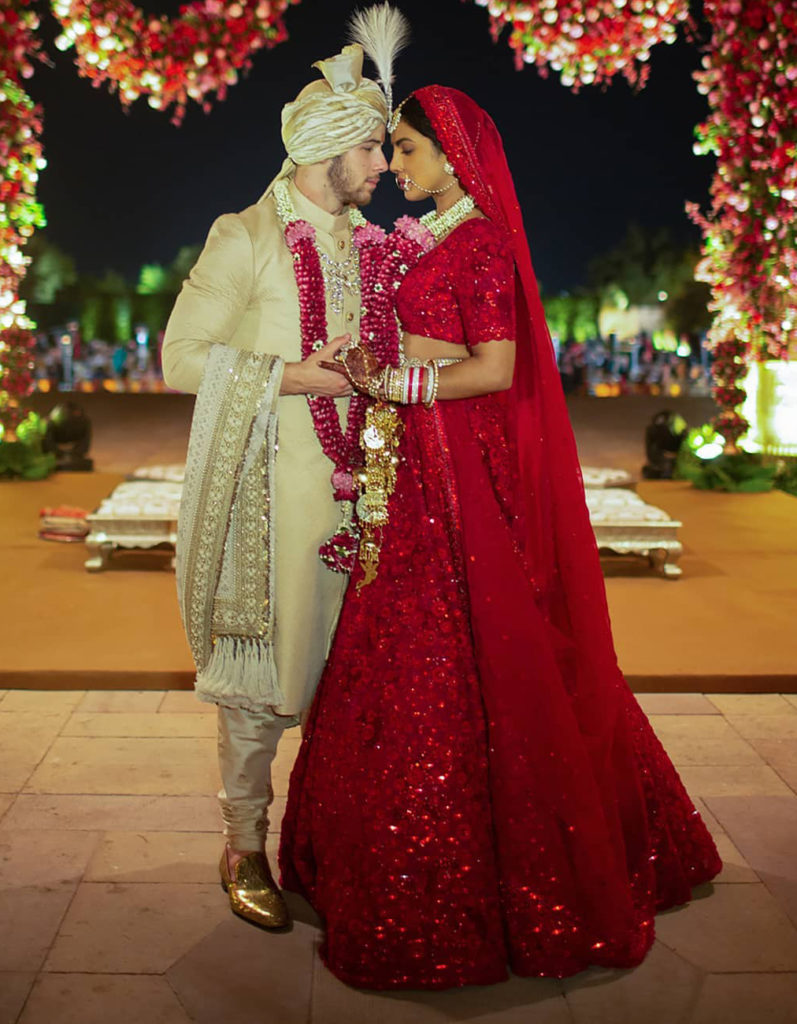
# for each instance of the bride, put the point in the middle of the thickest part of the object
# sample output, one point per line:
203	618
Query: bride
477	790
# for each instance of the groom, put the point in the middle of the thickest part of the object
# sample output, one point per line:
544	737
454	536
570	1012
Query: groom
258	605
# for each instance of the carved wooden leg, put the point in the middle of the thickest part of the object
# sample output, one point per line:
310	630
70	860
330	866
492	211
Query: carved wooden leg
100	551
663	561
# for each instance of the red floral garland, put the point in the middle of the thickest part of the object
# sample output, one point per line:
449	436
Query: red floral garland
341	448
383	263
381	279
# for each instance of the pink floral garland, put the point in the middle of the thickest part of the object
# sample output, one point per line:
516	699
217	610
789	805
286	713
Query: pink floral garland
750	234
383	263
587	41
20	214
170	61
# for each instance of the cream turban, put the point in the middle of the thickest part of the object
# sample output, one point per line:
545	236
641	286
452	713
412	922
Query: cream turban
339	111
331	115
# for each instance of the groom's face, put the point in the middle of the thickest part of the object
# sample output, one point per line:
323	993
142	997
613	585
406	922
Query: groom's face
354	175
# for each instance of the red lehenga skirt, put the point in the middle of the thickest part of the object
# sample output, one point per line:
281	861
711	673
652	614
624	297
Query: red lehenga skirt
455	810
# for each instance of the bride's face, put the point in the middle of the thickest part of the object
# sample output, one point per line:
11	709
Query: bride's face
417	162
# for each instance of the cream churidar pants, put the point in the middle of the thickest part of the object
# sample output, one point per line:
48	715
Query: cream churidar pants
247	746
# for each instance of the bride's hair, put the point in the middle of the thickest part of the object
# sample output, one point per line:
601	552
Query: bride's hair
413	113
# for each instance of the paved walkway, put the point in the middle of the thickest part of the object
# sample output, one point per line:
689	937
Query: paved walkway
110	909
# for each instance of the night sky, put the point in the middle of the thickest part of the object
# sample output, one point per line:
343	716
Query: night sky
126	189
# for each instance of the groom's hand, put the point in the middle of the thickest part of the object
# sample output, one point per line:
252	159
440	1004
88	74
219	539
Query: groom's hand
309	377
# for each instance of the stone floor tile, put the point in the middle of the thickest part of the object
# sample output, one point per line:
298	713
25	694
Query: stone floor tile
728	780
791	698
766	727
99	764
710	727
240	974
6	799
735	869
659	991
702	740
735	928
124	701
185	701
675	704
765	831
787	771
25	737
14	989
121	813
776	750
714	826
43	702
29	858
29	919
781	755
100	998
517	1001
749	703
156	857
747	999
144	724
114	928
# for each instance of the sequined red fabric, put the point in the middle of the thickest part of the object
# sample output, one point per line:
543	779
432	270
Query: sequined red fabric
463	804
465	291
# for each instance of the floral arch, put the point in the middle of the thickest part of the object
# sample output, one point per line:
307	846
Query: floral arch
749	77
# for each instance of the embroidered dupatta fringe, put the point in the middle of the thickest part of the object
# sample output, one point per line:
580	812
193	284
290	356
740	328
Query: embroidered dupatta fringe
225	537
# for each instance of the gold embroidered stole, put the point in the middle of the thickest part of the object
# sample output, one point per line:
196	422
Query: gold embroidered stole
225	537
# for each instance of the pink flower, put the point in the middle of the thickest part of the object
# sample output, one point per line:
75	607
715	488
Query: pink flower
298	231
368	234
411	228
343	485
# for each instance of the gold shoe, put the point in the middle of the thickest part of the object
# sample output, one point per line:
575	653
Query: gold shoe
253	892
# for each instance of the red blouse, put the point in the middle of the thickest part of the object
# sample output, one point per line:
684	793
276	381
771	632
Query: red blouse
463	290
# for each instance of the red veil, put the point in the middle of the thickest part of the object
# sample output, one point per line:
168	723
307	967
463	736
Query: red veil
560	542
566	735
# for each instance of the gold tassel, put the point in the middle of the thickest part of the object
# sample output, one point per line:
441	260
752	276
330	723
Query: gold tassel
380	440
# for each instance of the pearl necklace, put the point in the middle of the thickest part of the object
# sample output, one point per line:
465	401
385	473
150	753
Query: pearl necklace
441	224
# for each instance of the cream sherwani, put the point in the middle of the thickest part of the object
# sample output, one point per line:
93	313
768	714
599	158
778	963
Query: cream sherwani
242	292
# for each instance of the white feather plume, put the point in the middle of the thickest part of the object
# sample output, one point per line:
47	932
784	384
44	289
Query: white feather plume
383	32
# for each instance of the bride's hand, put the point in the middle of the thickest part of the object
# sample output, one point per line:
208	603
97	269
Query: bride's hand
358	364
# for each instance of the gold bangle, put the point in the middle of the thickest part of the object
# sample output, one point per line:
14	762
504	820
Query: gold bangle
395	389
